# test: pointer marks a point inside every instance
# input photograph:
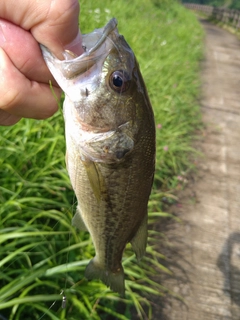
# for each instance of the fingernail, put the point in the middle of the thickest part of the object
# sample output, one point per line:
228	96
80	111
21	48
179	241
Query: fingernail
2	37
76	45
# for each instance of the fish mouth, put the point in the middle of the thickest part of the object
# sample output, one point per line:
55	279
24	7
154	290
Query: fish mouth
110	26
95	47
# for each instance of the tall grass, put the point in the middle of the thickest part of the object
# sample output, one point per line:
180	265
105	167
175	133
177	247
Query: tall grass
42	257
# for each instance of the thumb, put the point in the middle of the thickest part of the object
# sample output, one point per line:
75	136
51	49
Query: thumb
54	23
59	30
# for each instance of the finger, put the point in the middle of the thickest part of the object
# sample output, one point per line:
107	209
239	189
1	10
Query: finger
22	97
24	52
7	119
61	27
54	23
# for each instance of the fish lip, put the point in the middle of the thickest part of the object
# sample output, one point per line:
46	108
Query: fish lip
110	26
77	65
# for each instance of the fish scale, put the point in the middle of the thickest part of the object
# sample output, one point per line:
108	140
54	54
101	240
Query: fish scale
110	142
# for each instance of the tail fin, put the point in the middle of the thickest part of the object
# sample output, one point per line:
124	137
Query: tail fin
113	280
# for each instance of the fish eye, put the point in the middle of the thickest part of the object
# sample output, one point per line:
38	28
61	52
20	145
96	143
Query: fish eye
119	81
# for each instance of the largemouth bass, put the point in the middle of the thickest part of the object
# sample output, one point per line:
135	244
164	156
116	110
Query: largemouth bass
110	142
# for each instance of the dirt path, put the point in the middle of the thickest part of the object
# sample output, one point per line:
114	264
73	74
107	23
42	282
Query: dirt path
204	251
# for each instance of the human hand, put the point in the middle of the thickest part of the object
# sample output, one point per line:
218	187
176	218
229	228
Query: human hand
24	76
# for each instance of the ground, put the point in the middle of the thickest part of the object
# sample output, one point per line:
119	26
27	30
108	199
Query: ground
204	250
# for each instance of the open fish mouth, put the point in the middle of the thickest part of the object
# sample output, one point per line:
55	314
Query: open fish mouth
94	45
88	42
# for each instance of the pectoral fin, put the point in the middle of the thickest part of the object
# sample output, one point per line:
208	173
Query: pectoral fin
96	179
139	241
77	221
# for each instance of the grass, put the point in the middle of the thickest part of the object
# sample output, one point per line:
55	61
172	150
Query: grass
42	257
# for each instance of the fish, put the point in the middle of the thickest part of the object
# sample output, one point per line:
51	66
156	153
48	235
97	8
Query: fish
110	147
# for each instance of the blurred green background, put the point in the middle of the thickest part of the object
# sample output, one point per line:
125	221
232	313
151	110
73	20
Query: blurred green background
42	257
231	4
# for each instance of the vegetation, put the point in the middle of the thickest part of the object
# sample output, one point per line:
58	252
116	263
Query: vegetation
216	3
42	257
231	4
235	4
